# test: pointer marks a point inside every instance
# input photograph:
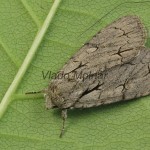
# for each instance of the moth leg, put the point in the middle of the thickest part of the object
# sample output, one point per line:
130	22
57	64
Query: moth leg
64	117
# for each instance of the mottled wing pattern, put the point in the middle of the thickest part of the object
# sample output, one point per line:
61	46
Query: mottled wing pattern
116	53
123	82
116	44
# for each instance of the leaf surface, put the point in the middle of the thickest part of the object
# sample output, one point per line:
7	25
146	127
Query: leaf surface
26	124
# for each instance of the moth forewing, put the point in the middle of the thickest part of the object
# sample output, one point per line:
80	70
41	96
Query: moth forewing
118	43
105	70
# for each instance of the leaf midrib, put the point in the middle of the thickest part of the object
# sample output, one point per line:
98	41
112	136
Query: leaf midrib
28	59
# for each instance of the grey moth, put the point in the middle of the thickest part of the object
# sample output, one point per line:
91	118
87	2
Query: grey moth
113	66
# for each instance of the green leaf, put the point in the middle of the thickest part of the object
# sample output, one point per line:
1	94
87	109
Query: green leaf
42	35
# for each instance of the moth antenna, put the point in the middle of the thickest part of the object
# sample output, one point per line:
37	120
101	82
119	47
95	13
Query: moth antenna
107	15
64	117
36	92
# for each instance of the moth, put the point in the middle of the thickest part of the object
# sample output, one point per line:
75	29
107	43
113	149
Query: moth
117	68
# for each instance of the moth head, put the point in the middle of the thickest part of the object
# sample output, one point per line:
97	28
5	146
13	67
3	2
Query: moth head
53	97
48	102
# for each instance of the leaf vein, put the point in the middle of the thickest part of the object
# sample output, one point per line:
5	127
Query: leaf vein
31	13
